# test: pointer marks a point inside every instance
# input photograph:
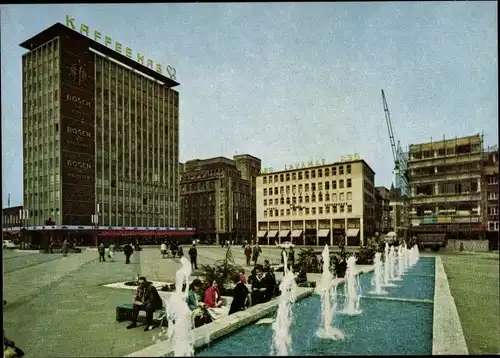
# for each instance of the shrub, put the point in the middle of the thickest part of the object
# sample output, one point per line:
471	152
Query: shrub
308	258
221	271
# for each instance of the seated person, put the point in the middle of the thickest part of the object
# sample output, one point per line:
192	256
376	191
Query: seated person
251	278
241	273
146	299
259	286
241	295
340	267
301	276
199	314
213	299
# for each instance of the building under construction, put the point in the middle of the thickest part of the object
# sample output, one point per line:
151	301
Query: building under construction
446	193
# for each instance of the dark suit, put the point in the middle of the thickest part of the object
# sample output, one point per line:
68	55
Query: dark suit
151	301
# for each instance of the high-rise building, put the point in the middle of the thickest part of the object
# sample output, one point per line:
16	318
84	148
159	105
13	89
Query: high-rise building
100	135
216	198
317	205
445	186
490	185
382	209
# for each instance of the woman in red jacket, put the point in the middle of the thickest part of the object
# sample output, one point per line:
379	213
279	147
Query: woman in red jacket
212	296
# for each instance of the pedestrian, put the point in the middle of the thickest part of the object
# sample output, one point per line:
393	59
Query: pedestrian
65	247
51	246
111	252
102	250
241	295
248	254
255	254
193	256
128	250
180	251
291	258
163	250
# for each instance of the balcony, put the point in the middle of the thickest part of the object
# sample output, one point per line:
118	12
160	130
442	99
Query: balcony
443	177
441	160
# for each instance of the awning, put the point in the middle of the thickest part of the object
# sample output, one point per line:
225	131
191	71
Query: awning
284	233
262	233
323	232
352	232
273	233
296	233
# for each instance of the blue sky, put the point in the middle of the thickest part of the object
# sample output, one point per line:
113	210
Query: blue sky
289	82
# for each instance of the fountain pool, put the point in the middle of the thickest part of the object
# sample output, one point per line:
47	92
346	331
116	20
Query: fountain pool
384	327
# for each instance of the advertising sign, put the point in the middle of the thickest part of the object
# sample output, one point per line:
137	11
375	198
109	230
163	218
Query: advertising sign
77	133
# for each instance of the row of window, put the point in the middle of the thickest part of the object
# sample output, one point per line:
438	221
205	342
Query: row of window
308	211
319	187
305	174
320	198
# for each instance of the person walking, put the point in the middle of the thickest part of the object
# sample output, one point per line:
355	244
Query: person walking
248	253
65	247
255	254
102	250
111	252
128	251
291	258
193	256
163	250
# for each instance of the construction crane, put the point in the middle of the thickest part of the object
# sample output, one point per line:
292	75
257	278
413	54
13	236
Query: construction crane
400	158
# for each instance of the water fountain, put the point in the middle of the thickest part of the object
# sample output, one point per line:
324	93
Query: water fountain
352	289
178	314
328	291
394	268
401	262
417	253
387	268
406	256
282	340
378	278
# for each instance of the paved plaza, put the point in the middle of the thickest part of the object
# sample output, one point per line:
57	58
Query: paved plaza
57	305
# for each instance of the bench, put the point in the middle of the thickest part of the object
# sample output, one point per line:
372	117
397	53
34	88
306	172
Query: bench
124	313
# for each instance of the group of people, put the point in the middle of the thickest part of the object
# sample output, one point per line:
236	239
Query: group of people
128	250
174	247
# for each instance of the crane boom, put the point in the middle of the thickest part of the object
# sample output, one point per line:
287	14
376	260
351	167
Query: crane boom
389	128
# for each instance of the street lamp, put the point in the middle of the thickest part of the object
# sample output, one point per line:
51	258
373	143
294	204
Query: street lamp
95	221
237	227
23	216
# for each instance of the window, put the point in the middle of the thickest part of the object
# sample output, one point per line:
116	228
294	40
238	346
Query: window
282	212
306	174
493	210
334	197
282	200
265	202
300	175
334	170
349	208
313	211
327	210
281	178
276	212
307	188
306	200
341	196
341	170
264	180
287	177
300	200
493	180
341	208
492	195
334	209
294	176
288	212
287	189
265	192
320	173
313	186
327	185
307	211
320	186
348	168
270	179
265	213
288	201
349	195
341	184
313	174
320	210
282	189
327	172
276	191
327	197
320	197
270	213
349	183
276	201
313	198
294	189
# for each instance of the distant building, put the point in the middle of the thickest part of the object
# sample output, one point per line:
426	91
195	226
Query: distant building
398	212
12	217
382	209
445	186
217	197
318	205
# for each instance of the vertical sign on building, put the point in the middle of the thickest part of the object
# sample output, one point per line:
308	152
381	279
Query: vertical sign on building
77	131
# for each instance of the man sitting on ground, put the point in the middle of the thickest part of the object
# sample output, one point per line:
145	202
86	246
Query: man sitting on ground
146	299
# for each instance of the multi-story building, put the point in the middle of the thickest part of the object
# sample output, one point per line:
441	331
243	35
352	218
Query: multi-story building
490	185
216	198
100	134
317	205
12	217
398	212
382	209
445	186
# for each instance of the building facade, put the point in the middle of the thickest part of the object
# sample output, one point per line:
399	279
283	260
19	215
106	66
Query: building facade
490	185
398	212
445	186
317	205
100	135
382	210
217	198
12	217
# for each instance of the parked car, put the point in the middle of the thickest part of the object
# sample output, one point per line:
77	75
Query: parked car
9	244
286	245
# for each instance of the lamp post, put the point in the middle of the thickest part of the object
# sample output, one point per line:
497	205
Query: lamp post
95	221
237	227
23	216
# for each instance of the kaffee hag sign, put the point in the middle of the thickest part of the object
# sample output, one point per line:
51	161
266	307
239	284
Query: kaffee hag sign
84	29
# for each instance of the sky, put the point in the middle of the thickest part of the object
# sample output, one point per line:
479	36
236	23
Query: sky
287	82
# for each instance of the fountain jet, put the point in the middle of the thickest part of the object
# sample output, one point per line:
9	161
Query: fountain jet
352	289
328	291
178	314
387	268
282	340
377	279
